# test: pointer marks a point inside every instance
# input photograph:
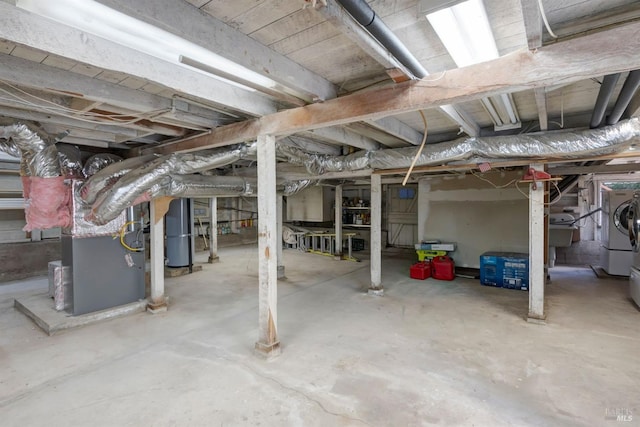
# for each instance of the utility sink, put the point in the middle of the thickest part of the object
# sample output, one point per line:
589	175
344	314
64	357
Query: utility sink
561	227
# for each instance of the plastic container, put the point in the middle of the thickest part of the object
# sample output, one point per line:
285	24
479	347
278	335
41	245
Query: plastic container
443	268
420	270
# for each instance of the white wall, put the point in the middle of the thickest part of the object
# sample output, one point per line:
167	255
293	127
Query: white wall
474	215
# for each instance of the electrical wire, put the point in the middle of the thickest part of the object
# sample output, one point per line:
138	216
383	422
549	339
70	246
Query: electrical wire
415	159
122	234
553	202
84	116
546	22
490	182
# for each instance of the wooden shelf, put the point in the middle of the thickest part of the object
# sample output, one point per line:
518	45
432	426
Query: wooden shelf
357	225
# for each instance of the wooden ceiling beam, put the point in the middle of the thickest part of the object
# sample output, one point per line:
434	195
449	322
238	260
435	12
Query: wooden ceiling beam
573	60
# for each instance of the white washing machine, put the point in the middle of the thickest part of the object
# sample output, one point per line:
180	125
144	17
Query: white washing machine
616	252
634	238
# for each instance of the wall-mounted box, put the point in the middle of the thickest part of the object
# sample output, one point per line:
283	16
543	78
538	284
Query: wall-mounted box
313	204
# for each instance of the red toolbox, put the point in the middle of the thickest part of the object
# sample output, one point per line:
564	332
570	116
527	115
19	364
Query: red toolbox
443	268
420	270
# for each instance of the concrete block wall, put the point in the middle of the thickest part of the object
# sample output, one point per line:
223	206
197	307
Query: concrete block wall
29	259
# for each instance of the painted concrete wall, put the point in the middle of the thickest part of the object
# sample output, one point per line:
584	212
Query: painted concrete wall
475	215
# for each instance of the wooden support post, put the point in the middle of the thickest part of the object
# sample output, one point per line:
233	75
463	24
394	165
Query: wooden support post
279	203
213	230
423	208
267	344
338	222
536	250
234	215
376	236
158	301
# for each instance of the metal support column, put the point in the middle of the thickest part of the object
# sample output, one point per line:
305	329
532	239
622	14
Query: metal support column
376	236
267	344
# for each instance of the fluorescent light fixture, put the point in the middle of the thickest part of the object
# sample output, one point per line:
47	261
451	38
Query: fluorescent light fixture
102	21
465	32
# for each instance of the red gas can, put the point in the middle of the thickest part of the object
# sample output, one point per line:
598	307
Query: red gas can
420	270
443	268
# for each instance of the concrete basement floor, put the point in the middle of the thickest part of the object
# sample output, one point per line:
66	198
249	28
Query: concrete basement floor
427	353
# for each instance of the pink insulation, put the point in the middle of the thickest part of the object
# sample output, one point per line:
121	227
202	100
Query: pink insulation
46	202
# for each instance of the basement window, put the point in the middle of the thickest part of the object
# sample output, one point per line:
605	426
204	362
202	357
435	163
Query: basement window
406	193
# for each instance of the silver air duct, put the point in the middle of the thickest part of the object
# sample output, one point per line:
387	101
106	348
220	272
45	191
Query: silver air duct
211	186
108	176
561	145
38	158
134	184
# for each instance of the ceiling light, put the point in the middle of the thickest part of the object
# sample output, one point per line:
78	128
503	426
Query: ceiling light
465	32
102	21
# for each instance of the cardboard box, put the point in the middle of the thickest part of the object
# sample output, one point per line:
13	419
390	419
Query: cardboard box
436	246
505	270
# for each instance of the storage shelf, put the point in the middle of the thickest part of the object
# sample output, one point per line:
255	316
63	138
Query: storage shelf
363	208
357	225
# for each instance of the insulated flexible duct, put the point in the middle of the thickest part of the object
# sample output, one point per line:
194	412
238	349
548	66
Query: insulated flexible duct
38	158
211	186
134	184
560	145
108	176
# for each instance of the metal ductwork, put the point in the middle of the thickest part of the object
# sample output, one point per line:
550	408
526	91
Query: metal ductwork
108	176
629	88
38	158
137	182
604	95
366	17
563	144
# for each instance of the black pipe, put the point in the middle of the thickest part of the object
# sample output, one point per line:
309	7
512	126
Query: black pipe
626	94
366	17
604	95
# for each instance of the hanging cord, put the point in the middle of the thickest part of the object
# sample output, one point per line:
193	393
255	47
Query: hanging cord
553	202
480	177
544	18
415	159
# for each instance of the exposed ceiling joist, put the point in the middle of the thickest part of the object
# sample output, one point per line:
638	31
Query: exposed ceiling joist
532	23
396	70
67	122
382	137
343	21
191	24
582	170
398	129
577	59
22	27
633	110
541	104
23	73
612	16
338	135
533	28
312	146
